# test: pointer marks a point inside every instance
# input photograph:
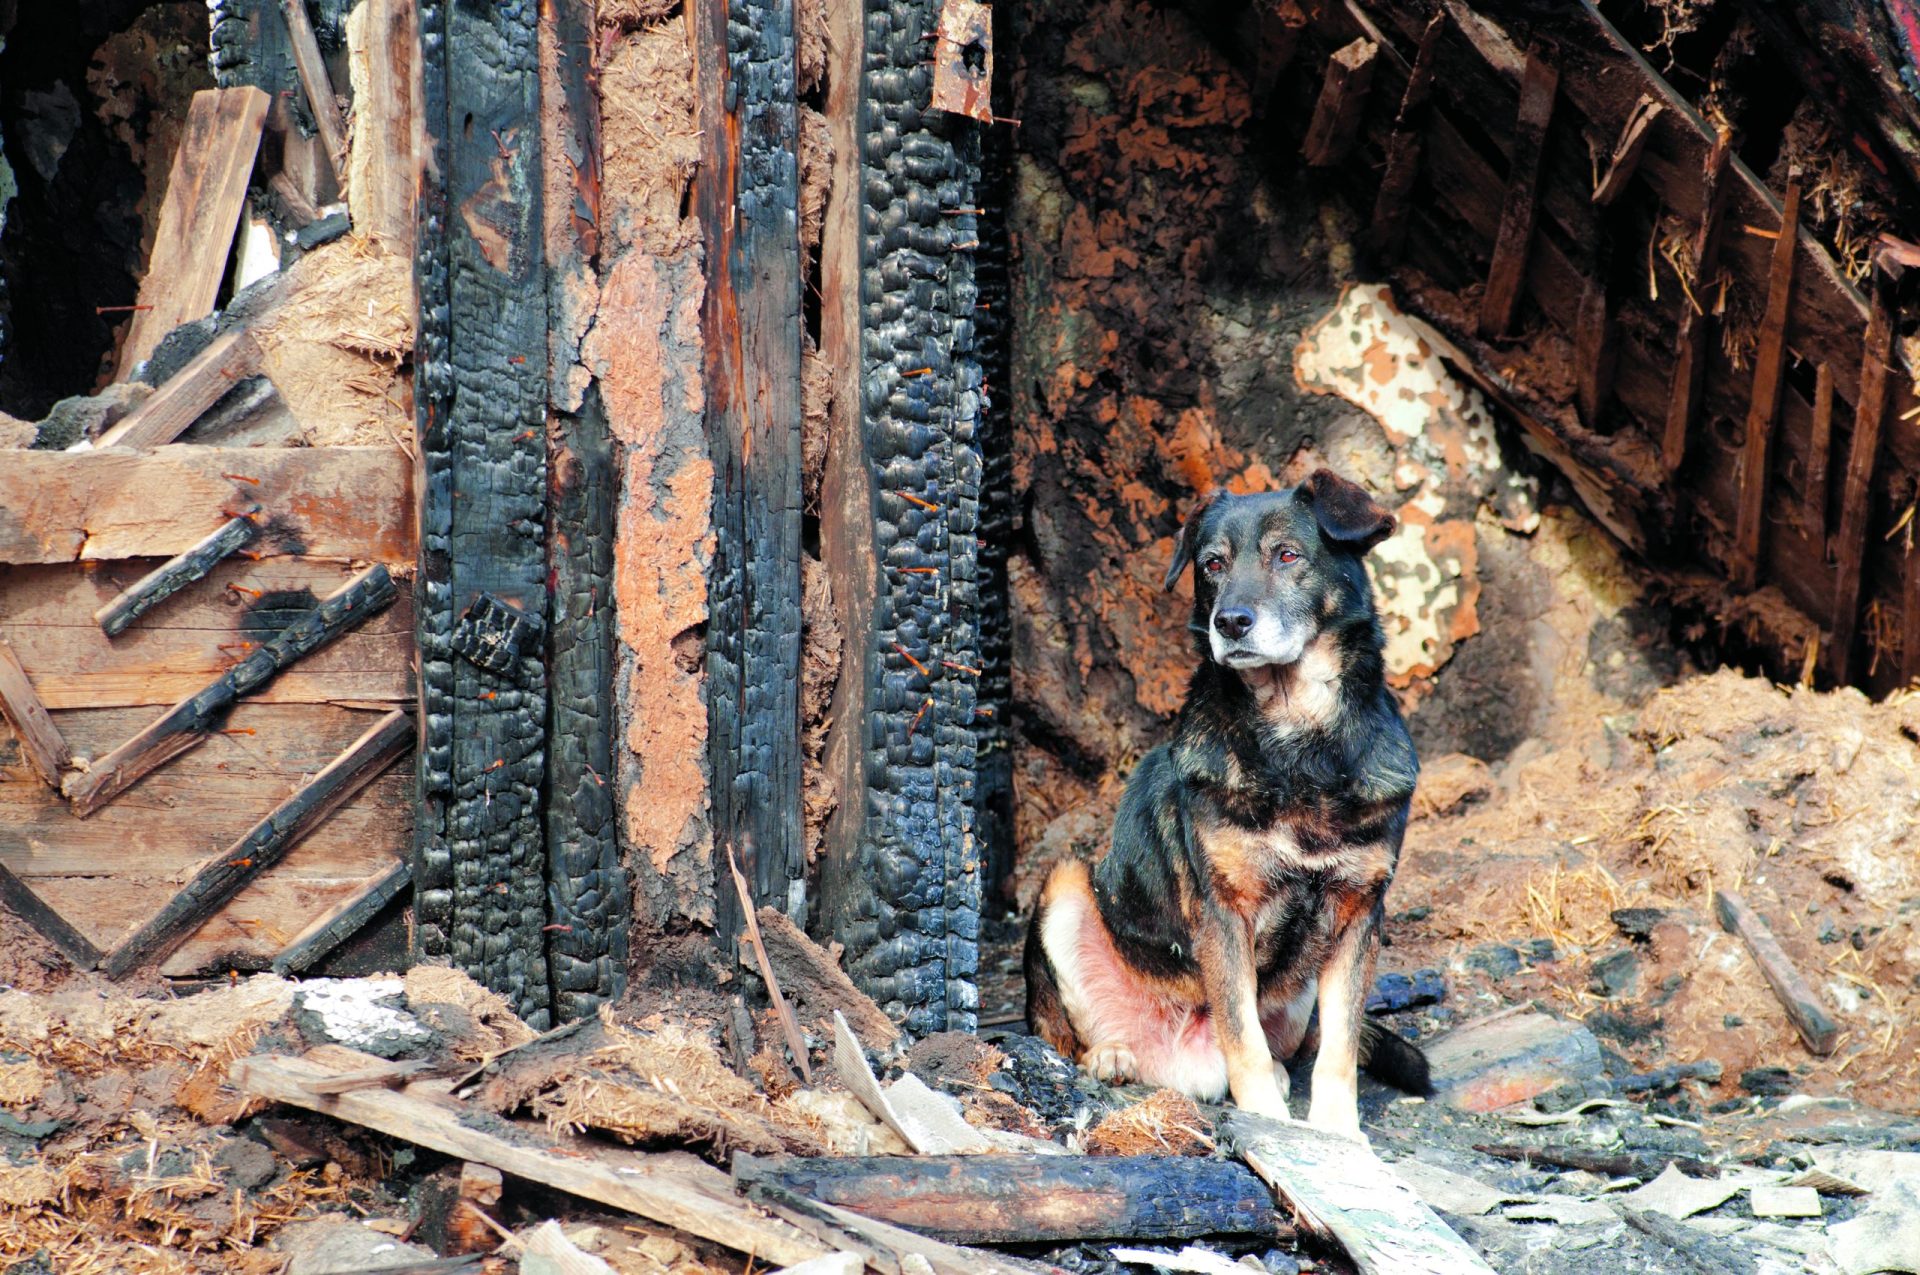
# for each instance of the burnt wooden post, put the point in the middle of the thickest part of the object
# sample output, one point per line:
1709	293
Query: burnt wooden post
749	199
480	870
901	875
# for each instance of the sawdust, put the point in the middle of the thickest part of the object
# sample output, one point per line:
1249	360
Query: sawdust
487	1024
1164	1123
821	644
650	132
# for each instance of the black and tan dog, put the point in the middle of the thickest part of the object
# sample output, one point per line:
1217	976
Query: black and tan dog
1251	854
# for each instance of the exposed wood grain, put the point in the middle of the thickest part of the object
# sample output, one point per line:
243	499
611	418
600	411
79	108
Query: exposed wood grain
1390	205
40	740
1342	101
1810	1018
1539	84
265	844
1813	509
174	575
1856	493
1769	375
1625	159
1338	1189
206	190
189	722
345	919
20	899
380	191
1696	301
381	1075
312	69
229	358
674	1190
1011	1199
333	502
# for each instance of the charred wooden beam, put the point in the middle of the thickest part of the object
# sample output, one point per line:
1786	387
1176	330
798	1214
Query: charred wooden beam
174	575
1810	1018
40	740
1013	1199
1856	493
190	721
1625	159
1342	101
205	192
480	861
1595	353
20	899
1539	84
342	922
1696	300
264	845
1390	206
1813	508
186	396
315	83
749	199
901	874
1763	409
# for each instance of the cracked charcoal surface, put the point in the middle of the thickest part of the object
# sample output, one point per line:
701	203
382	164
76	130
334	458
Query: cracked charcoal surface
909	908
753	637
479	869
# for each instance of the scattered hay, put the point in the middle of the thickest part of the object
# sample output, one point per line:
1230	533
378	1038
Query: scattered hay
1165	1123
484	1024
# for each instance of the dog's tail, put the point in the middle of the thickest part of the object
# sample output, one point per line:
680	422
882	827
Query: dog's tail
1394	1060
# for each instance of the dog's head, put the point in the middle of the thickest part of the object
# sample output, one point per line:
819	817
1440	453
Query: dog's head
1271	571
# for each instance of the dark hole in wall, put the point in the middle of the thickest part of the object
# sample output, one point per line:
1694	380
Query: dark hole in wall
82	88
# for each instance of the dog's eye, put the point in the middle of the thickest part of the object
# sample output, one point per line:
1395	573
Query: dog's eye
1286	557
1214	566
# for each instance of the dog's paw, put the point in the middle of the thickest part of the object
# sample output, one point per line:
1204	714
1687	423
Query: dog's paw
1112	1064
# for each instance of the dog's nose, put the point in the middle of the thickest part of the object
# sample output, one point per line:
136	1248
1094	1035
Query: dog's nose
1233	622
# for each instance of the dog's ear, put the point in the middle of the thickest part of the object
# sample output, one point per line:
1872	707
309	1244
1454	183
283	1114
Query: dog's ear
1184	547
1345	512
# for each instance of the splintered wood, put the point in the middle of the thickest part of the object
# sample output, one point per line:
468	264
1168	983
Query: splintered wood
1810	1018
205	193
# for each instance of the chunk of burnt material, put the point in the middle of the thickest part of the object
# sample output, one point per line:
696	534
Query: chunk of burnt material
1661	1080
174	575
497	635
1637	923
1393	992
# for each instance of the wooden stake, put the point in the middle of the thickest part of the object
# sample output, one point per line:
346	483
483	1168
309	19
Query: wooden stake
1343	98
265	844
1819	447
189	722
1690	346
1763	408
174	575
1626	151
796	1042
1539	84
1391	205
1810	1018
206	190
1594	352
1856	495
40	740
319	89
229	359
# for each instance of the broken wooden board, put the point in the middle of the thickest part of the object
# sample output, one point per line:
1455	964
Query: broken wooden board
1012	1199
342	921
231	357
21	705
381	48
312	69
20	899
174	574
921	1119
330	502
1342	101
1810	1018
206	192
885	1248
1539	85
1339	1189
815	983
171	652
675	1190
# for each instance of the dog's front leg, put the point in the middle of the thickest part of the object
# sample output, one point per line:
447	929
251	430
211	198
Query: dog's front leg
1343	982
1224	950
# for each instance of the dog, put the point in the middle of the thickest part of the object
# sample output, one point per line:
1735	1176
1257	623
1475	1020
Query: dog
1245	882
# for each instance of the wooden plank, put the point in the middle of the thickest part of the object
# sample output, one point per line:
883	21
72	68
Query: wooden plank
1856	493
229	358
1690	344
206	191
1337	1188
174	574
265	844
1813	508
752	324
189	722
336	502
1342	101
1769	375
1539	85
1810	1018
312	69
1390	205
674	1190
380	191
332	928
40	740
31	908
1625	159
1012	1199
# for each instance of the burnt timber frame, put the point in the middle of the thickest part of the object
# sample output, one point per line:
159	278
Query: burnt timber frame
480	864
